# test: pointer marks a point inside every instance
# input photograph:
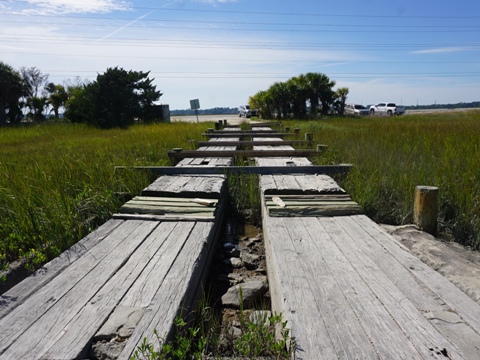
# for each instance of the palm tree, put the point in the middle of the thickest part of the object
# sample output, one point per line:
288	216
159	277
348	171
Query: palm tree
58	97
341	94
37	105
298	89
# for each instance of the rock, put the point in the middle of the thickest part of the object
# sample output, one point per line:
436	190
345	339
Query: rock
107	350
250	261
232	253
235	262
251	292
121	323
236	278
261	271
253	241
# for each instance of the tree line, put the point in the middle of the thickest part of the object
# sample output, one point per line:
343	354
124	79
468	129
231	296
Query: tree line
301	97
117	98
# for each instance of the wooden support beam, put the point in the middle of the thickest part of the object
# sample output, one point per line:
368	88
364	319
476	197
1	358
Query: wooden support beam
256	170
226	131
177	155
243	134
258	124
254	143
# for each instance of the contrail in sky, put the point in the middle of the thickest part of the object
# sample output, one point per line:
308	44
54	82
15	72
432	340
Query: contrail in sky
123	27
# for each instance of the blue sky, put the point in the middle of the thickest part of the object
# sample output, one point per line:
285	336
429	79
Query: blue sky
223	51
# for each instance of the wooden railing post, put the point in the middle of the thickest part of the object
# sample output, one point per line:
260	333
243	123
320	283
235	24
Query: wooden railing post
426	208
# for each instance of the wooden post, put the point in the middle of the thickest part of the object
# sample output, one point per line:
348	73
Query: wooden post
309	138
224	122
217	126
425	211
287	129
296	131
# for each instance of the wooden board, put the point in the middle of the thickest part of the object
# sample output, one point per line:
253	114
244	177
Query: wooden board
176	155
206	186
289	166
258	142
359	313
19	293
161	206
244	134
297	184
35	323
311	206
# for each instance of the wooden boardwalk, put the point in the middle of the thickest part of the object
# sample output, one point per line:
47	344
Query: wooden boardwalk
347	288
148	263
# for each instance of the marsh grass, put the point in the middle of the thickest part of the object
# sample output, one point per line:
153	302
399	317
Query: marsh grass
391	155
198	335
58	181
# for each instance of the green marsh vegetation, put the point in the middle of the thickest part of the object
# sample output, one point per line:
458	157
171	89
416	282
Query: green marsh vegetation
391	155
58	181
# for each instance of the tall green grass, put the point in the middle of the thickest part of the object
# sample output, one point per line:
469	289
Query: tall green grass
58	180
394	154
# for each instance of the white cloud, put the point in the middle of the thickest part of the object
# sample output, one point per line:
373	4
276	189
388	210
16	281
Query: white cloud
444	50
44	7
214	2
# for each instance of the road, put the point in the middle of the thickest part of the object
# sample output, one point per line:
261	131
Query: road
232	119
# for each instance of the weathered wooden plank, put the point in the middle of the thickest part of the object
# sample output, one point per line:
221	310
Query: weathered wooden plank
313	207
313	197
458	301
243	134
381	328
71	290
268	166
177	155
424	337
284	184
161	244
166	217
186	186
344	328
423	299
255	142
290	293
162	210
179	285
236	132
19	293
144	289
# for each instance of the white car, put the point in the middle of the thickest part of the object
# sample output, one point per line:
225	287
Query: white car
356	110
245	111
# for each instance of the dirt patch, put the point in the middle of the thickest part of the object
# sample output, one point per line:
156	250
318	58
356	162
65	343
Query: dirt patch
457	263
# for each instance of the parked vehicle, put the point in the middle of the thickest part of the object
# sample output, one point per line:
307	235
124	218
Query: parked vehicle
387	109
245	111
356	110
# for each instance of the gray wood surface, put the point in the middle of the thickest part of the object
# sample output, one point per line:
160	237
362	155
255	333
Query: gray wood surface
32	325
19	293
219	166
301	184
276	152
359	311
186	186
244	134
